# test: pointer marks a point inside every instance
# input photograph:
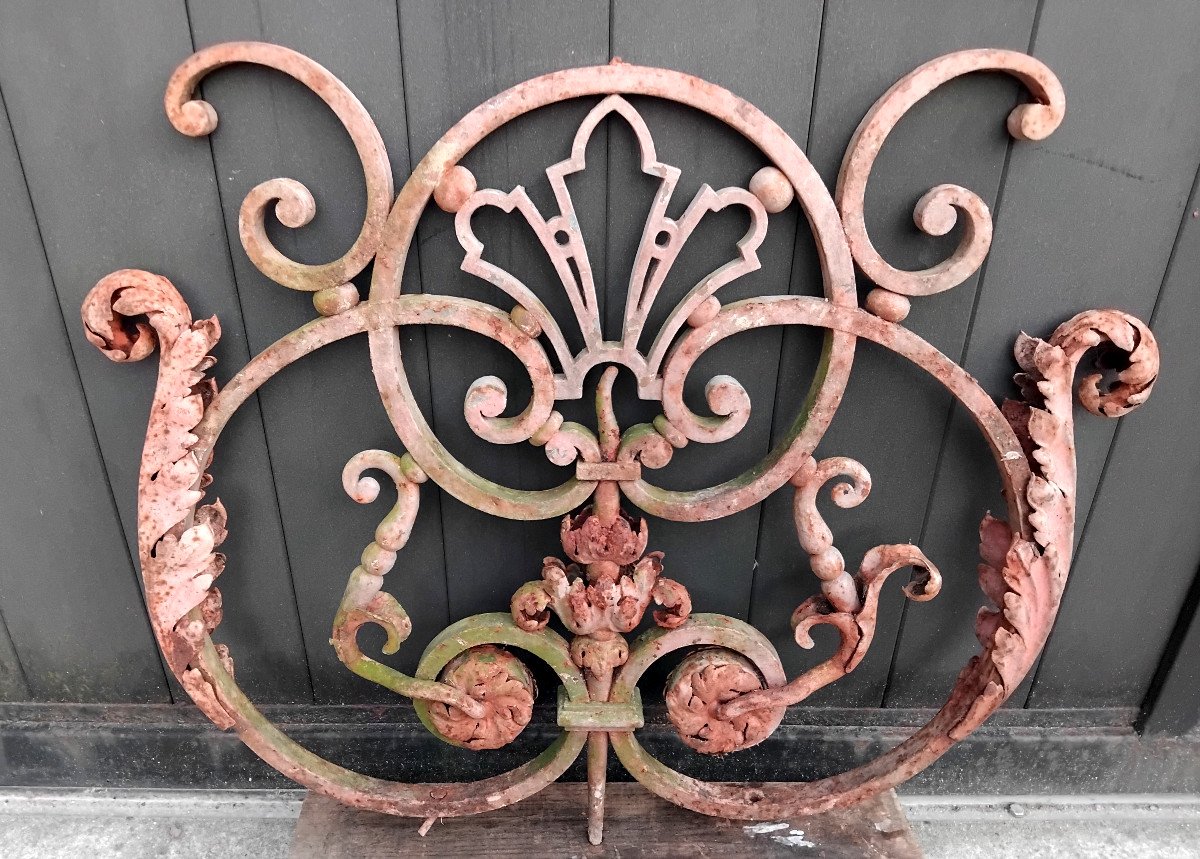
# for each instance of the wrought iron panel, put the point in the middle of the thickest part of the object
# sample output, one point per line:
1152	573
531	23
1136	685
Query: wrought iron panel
730	691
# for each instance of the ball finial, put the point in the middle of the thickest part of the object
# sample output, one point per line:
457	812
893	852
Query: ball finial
458	183
888	305
772	188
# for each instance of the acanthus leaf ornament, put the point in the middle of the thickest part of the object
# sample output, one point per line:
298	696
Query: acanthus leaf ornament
176	540
470	688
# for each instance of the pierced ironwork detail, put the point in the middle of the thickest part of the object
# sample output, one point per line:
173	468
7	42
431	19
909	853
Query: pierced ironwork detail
731	691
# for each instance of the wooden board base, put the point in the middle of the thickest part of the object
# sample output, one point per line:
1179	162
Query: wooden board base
638	824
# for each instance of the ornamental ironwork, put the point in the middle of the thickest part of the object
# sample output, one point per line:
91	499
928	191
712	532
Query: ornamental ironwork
731	690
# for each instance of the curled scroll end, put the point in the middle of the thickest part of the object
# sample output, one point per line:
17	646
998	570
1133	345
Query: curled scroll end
730	405
571	442
924	584
936	212
294	207
726	397
1128	348
386	612
1037	121
807	616
365	490
851	493
294	203
655	452
727	400
818	610
119	313
647	444
811	529
195	118
363	602
122	341
393	531
486	400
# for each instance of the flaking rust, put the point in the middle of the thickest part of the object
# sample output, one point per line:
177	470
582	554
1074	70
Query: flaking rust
730	692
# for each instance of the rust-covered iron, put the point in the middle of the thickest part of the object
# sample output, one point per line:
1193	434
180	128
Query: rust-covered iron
731	691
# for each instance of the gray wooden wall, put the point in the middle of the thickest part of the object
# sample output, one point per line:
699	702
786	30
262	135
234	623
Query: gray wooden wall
93	178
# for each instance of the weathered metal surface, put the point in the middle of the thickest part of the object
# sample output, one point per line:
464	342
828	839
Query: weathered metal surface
936	212
731	691
503	689
294	203
599	715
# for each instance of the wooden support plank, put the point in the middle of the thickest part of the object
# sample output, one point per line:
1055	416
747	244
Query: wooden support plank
638	824
325	409
453	62
893	415
59	531
1140	548
715	561
115	186
1088	220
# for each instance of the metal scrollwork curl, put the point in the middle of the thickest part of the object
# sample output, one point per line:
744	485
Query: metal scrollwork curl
294	203
938	210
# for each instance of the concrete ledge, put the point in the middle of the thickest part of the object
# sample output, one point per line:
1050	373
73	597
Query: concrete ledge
1019	752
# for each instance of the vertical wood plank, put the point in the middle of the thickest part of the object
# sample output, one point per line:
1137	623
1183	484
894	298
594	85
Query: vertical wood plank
323	410
12	677
59	531
767	54
1088	220
1171	706
893	415
114	186
455	57
1140	548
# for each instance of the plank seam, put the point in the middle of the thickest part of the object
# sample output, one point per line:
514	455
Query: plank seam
417	261
237	290
66	331
1087	520
1166	683
21	676
793	278
962	359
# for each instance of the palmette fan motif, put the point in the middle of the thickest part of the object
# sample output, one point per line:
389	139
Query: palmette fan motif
731	692
661	242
